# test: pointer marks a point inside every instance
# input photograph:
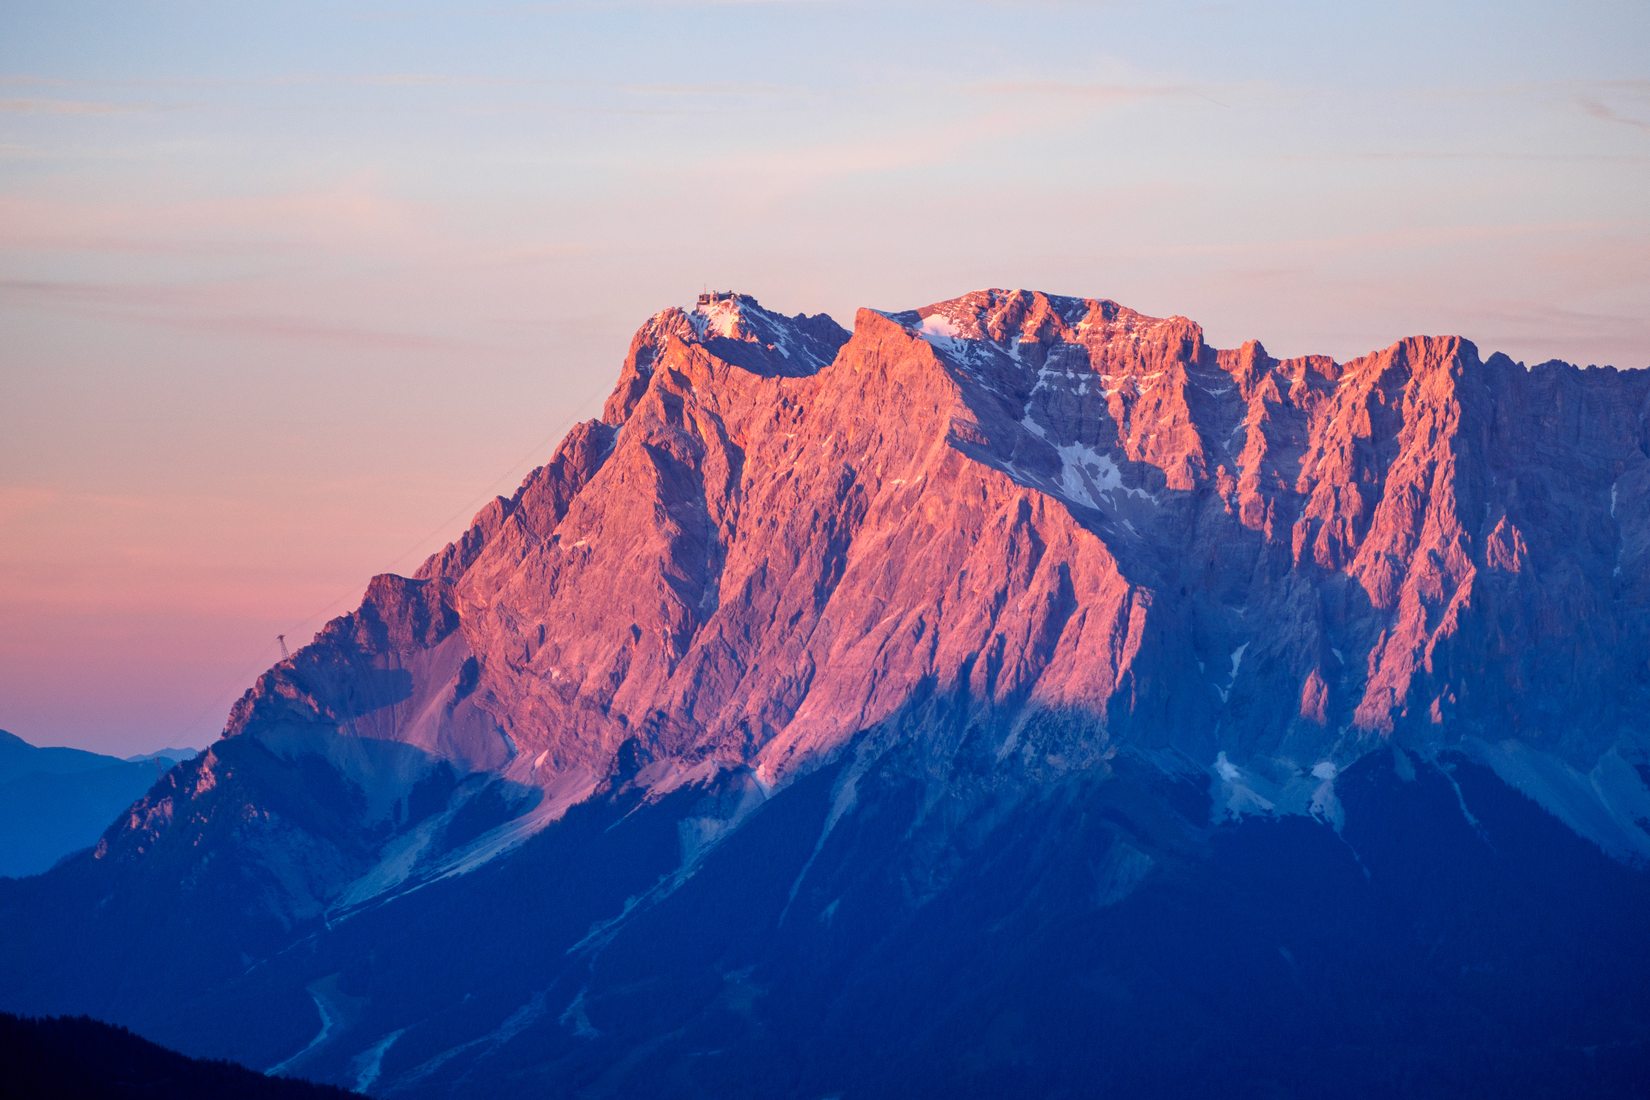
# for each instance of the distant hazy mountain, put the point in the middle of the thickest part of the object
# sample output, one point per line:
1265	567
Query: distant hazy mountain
64	1058
54	801
170	755
1013	696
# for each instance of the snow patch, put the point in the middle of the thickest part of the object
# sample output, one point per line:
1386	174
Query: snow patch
1231	677
1461	800
1235	795
1088	476
399	858
1266	786
328	1020
576	1017
699	836
408	863
1325	806
571	788
369	1064
842	801
719	317
938	328
1226	769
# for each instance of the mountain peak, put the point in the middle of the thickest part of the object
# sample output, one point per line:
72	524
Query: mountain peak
723	313
736	331
799	344
1016	329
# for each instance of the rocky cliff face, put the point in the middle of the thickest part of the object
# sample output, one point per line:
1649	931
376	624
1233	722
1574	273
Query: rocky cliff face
769	544
1011	540
1083	521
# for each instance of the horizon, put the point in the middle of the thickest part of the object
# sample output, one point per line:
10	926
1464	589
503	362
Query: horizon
289	295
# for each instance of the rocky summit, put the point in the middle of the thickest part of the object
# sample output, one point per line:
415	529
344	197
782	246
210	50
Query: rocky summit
989	698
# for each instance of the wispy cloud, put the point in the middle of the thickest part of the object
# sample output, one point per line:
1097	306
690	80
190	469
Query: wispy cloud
1599	99
1491	155
34	106
329	219
314	331
1401	239
200	308
1601	110
734	88
1097	92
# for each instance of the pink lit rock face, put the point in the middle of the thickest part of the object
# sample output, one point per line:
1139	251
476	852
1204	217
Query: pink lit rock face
1080	528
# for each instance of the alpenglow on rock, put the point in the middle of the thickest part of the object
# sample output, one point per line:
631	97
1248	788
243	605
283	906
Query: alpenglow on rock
1003	546
1076	517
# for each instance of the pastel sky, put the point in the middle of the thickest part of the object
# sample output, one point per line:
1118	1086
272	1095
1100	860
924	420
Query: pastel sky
288	290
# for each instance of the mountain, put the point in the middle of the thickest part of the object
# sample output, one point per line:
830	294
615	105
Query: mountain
167	755
81	1059
54	801
1016	693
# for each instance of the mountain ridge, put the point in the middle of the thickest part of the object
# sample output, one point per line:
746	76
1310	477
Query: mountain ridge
79	1058
993	400
940	582
55	800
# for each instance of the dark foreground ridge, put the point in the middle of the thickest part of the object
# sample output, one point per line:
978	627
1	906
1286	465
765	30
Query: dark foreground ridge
76	1058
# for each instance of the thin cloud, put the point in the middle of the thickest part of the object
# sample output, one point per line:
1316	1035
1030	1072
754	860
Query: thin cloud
1099	92
313	331
86	293
328	220
69	107
31	80
1605	112
1595	98
190	307
1469	155
711	88
1400	239
413	80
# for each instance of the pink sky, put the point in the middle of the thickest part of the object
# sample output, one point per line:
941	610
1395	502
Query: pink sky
285	295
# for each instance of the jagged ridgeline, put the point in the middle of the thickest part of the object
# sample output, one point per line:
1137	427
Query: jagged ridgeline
1014	693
